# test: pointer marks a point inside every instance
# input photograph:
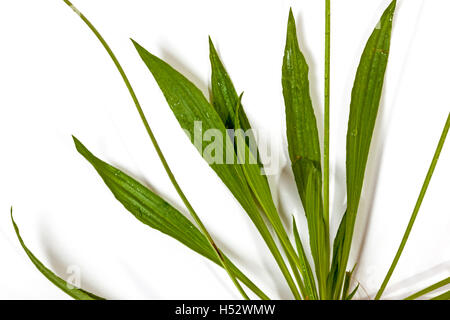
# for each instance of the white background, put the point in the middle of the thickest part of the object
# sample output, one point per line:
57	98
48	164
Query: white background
56	80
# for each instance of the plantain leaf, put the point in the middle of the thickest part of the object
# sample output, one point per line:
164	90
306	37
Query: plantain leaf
364	106
306	271
429	289
156	213
317	227
224	95
260	187
304	149
338	246
347	279
444	296
352	294
302	134
225	98
191	108
68	288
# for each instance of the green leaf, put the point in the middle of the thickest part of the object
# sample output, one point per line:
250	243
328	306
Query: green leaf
347	280
156	213
259	185
224	95
190	107
318	235
338	246
68	288
304	148
225	98
429	289
305	270
352	294
444	296
302	134
364	105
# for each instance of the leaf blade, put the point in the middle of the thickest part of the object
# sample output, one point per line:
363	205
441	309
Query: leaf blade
429	289
365	101
66	287
190	106
306	270
302	133
156	213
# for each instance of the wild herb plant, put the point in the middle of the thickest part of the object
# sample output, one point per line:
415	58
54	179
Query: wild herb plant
327	275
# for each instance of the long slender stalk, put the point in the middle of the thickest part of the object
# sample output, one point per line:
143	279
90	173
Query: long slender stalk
416	208
326	152
326	147
158	150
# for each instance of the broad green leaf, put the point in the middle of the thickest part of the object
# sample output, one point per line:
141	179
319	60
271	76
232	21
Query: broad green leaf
303	145
366	95
156	213
305	270
302	134
68	288
190	107
429	289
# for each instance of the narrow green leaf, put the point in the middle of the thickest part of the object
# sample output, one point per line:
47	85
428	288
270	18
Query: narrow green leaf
338	246
316	226
429	289
260	187
364	106
68	288
305	270
191	108
347	280
352	294
155	143
444	296
156	213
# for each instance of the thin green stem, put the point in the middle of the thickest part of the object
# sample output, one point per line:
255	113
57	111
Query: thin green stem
158	150
326	153
416	208
326	148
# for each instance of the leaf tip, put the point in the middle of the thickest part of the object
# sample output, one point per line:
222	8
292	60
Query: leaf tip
292	29
81	148
291	14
